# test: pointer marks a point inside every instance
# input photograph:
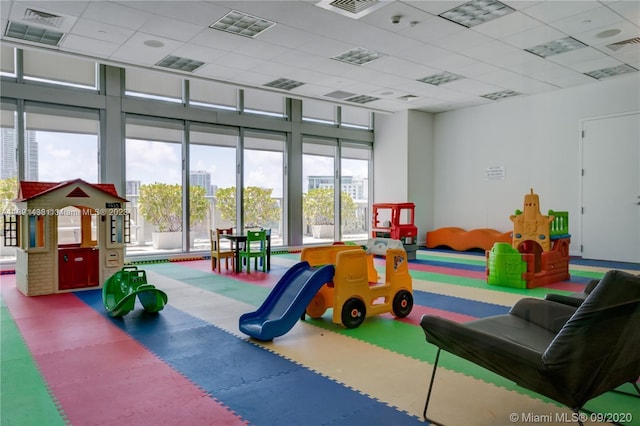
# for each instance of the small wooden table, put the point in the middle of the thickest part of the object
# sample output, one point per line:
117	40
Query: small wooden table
239	240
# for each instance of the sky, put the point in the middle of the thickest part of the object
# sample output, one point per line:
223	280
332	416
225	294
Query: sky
64	156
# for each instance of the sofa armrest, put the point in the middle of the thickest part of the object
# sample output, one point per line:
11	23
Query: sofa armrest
547	314
574	301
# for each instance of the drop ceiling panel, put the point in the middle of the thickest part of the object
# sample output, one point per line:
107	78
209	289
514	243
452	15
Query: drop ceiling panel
134	50
586	21
94	30
507	25
170	28
90	47
116	14
598	36
577	56
550	11
461	40
305	37
534	37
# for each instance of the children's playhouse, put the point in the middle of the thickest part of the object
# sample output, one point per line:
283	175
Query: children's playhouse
68	235
539	252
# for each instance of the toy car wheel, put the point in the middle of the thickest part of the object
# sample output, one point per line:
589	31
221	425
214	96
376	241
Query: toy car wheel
317	307
353	313
402	303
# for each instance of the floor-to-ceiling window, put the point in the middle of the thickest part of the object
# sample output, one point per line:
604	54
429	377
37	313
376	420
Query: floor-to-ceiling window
58	137
212	171
263	182
60	144
154	184
318	186
354	182
8	173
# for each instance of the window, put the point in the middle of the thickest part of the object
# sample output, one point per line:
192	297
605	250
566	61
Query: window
8	147
213	95
354	181
263	171
7	61
318	174
60	144
319	112
356	117
212	167
153	85
36	231
8	180
265	103
154	185
66	70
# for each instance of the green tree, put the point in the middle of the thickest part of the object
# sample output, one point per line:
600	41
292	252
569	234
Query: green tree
8	192
161	205
260	209
318	206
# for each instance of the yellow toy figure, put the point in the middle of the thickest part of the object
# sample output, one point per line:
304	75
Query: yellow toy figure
531	225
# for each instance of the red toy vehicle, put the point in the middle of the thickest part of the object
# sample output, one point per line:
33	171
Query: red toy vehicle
396	221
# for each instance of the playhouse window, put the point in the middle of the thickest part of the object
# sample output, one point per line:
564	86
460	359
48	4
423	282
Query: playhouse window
120	229
36	231
10	230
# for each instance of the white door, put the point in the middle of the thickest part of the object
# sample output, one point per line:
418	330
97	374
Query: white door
611	188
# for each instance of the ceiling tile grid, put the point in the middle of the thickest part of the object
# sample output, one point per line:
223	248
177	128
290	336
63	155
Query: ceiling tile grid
295	47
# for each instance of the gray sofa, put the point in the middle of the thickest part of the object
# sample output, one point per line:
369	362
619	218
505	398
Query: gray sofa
567	353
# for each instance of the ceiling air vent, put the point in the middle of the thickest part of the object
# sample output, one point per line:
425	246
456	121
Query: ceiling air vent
624	43
355	9
362	99
42	18
339	94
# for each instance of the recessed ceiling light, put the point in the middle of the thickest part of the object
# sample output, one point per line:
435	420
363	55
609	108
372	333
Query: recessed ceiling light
476	12
611	71
442	78
555	47
358	56
284	84
495	96
33	34
153	43
408	98
242	24
608	33
361	99
178	63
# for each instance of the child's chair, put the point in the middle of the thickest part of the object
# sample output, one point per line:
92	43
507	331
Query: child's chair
256	248
219	252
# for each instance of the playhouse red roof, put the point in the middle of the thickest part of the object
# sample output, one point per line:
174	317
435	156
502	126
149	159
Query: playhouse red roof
30	189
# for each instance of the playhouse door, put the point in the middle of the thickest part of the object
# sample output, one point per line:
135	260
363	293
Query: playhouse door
611	188
77	267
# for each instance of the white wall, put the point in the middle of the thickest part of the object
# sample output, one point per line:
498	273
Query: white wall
537	141
403	164
390	172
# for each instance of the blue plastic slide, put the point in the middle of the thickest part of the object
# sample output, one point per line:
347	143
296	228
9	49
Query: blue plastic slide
287	301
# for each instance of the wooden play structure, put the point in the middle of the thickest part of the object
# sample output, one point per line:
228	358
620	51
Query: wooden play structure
539	252
68	235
